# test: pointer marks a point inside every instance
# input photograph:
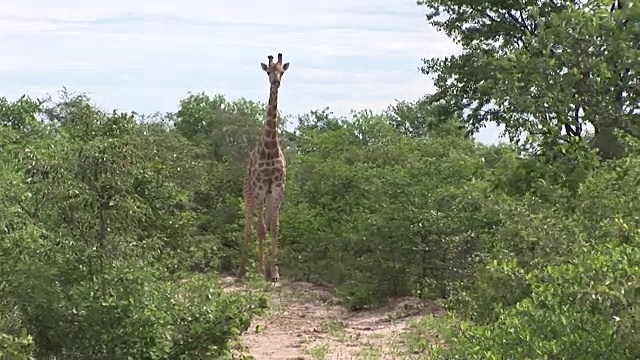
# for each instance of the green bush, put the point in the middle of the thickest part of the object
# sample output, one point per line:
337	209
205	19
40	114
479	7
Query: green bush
99	245
133	311
587	308
16	347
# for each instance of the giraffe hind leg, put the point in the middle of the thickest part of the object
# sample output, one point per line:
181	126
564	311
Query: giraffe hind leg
248	218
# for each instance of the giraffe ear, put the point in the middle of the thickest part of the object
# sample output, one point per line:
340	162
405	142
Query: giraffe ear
264	66
285	66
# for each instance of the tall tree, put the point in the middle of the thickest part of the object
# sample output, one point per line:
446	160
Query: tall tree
544	69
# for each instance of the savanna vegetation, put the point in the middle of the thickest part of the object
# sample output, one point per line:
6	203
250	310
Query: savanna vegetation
115	226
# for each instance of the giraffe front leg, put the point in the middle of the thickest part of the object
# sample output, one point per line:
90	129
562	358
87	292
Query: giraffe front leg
273	211
275	225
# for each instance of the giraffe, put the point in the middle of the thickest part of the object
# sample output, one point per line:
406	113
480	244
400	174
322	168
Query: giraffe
264	181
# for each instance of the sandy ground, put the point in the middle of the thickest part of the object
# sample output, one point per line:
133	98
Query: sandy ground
306	322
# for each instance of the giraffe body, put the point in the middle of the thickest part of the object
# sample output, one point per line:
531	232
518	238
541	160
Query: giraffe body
264	182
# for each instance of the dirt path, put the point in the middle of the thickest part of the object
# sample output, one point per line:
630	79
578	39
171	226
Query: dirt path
306	322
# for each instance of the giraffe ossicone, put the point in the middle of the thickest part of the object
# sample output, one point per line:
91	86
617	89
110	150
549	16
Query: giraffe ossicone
264	181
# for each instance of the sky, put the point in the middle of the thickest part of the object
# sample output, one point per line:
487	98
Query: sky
146	56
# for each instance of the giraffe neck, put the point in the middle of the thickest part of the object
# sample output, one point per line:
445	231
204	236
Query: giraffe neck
271	130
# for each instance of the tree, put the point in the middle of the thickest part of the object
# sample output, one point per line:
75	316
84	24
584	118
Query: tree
521	68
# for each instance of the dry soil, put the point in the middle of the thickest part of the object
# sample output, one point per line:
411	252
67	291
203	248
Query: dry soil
306	321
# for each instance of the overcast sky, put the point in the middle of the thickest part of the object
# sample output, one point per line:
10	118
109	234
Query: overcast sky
146	55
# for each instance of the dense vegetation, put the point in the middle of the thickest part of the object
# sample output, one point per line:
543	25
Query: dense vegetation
113	226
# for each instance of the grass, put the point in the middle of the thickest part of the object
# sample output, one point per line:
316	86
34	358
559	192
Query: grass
425	336
334	327
319	352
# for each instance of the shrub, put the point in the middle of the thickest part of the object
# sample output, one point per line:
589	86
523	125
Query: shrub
584	309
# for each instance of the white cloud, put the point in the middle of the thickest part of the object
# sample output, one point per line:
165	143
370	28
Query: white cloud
146	55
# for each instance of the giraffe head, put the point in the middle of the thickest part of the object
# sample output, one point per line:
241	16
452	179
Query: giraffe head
275	70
